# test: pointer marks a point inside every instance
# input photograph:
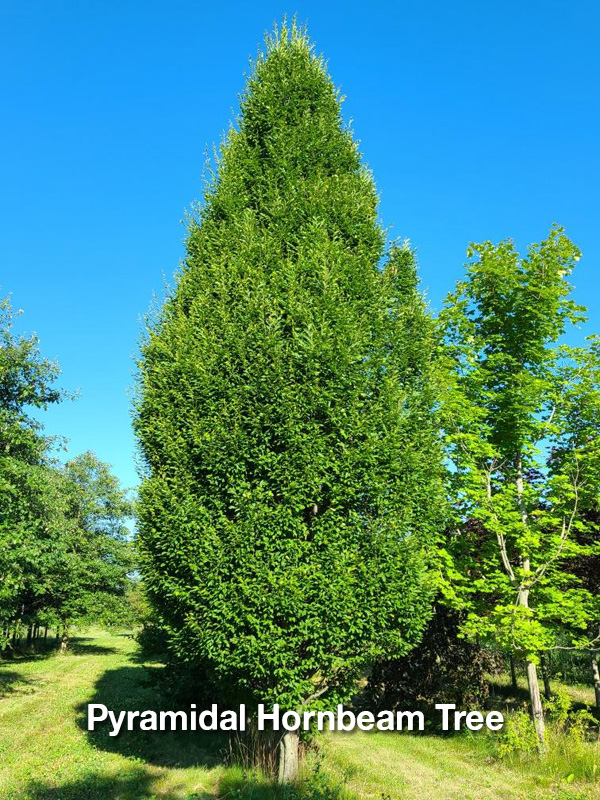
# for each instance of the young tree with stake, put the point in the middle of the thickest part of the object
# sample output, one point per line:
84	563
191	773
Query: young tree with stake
522	421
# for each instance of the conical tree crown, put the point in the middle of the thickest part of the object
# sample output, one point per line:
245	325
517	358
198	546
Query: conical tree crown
282	414
292	161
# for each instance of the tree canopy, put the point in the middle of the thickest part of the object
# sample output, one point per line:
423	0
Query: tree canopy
63	549
284	415
522	418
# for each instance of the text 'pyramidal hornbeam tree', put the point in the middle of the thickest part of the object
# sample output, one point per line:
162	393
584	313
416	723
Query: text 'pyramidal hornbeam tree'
284	414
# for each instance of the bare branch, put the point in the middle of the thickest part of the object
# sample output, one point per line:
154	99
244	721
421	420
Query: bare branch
315	695
499	535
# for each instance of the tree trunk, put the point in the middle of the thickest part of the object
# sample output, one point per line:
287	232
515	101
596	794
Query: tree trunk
64	642
513	675
289	750
45	634
537	709
545	677
596	672
536	706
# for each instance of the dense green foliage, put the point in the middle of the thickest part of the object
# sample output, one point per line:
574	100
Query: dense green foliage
63	554
299	530
304	538
442	668
284	416
522	420
92	552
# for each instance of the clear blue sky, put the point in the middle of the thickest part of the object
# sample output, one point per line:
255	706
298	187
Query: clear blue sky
479	121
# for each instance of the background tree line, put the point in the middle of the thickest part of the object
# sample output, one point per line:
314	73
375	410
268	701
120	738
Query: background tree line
64	550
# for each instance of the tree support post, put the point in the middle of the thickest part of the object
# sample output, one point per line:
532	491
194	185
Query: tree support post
596	674
537	710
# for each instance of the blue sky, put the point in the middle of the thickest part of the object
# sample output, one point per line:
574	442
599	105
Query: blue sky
479	121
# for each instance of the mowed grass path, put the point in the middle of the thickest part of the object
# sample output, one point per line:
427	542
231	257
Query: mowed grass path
47	754
404	767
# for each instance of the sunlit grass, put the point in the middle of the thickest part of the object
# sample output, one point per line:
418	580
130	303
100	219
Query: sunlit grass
413	767
46	753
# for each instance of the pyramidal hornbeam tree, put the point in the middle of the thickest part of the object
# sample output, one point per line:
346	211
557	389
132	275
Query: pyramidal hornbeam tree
284	414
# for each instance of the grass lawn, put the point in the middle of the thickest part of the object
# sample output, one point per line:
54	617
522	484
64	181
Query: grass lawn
46	753
435	768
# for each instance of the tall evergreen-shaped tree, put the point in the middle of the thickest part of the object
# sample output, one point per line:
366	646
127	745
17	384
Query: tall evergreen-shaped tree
284	413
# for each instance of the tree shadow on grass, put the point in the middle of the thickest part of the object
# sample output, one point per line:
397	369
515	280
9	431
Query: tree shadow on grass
11	682
136	687
138	784
23	654
133	688
82	646
506	697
